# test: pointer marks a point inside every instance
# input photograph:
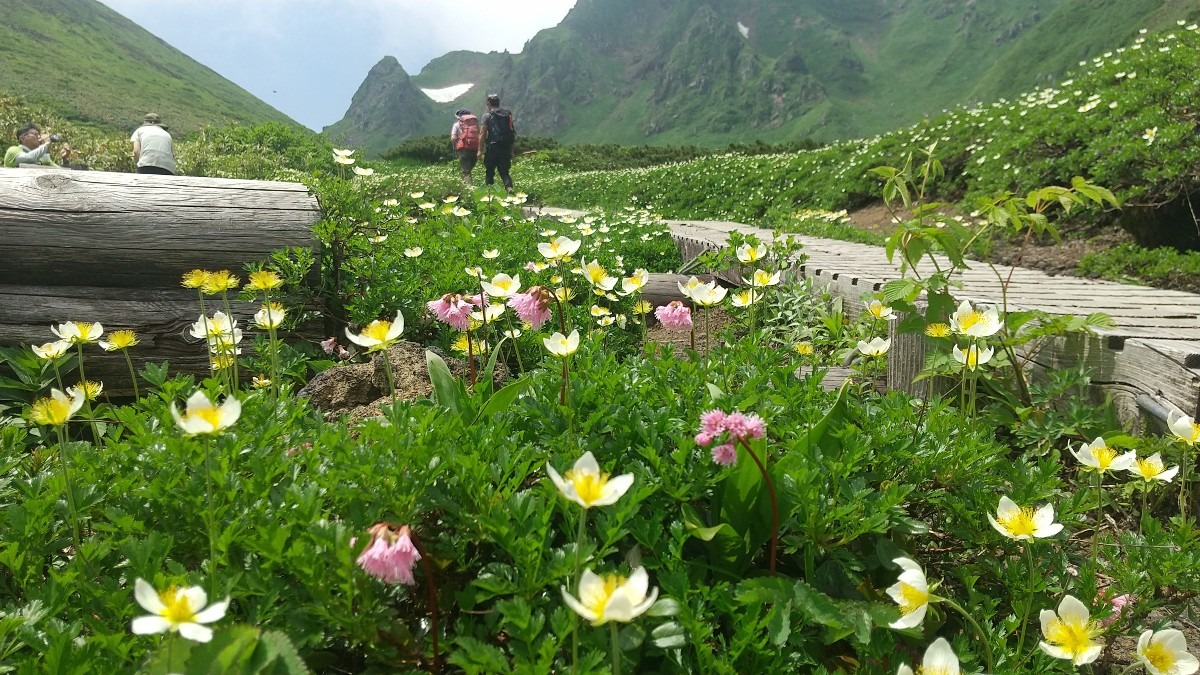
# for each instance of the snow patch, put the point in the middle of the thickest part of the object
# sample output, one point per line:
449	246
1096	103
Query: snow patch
743	29
449	93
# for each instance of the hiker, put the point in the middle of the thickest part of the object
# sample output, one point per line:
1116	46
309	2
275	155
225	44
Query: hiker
152	147
497	134
464	136
33	147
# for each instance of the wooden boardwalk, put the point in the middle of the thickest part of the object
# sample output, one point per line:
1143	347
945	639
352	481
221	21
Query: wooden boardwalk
1149	362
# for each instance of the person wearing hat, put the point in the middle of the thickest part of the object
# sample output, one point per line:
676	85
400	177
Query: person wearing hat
152	147
464	136
33	147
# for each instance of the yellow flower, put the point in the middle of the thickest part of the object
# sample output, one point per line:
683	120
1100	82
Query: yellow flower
1017	523
202	416
937	330
179	610
1070	633
119	339
598	311
264	280
89	389
222	358
879	310
564	294
804	348
612	597
642	307
260	381
57	409
220	282
195	279
587	486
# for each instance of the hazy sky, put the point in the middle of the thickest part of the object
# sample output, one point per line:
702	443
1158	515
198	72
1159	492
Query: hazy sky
307	57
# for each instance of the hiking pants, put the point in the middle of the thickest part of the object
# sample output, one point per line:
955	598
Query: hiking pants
498	158
466	163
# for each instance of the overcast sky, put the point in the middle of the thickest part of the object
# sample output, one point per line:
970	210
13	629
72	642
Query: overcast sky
307	57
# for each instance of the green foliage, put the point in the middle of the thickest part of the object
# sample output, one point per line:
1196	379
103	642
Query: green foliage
439	150
1165	266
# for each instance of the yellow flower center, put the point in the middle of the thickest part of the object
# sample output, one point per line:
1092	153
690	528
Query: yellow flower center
1075	638
974	318
51	411
1195	433
1149	467
937	330
589	486
209	414
804	348
178	609
972	357
123	339
377	330
598	599
1104	456
912	598
1159	656
936	670
1019	523
84	328
877	309
597	274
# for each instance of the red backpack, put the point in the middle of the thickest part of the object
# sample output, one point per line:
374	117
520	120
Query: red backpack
468	133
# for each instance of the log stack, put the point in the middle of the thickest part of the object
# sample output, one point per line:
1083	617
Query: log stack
112	248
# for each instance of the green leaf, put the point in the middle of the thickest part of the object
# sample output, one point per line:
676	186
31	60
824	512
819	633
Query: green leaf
503	398
669	635
447	390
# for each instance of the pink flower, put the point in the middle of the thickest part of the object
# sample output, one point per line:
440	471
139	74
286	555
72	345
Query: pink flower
532	306
390	557
452	309
725	454
330	345
1118	603
712	422
479	299
738	426
674	315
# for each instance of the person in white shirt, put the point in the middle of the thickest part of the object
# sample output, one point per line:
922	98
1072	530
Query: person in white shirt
152	148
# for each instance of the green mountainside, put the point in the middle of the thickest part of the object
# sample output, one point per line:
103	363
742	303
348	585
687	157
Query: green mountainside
91	65
713	73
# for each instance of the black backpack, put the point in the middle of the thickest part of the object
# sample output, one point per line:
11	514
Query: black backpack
500	128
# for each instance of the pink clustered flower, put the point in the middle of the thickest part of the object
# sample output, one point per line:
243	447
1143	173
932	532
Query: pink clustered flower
1118	603
452	309
674	315
390	556
533	306
738	426
332	348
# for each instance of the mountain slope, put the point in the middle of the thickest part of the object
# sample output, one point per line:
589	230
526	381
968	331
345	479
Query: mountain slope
92	65
709	72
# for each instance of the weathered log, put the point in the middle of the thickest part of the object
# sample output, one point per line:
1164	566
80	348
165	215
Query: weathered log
112	248
94	228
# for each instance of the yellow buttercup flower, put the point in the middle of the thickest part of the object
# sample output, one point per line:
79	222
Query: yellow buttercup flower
89	389
57	409
119	339
937	330
642	307
804	348
195	278
220	282
264	280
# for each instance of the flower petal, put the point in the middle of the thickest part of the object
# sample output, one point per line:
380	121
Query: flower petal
145	594
149	625
195	632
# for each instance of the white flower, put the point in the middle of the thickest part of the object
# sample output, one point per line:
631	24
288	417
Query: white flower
1166	653
876	347
975	322
179	610
1017	523
1069	632
911	592
1186	428
203	417
939	660
587	486
973	357
502	285
749	254
561	247
562	345
413	252
612	598
76	332
359	171
1099	457
378	334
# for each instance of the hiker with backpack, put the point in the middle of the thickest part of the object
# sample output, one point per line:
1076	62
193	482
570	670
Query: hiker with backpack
464	136
498	134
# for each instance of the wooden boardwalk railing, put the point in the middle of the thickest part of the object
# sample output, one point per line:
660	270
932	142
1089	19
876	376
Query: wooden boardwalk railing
1150	361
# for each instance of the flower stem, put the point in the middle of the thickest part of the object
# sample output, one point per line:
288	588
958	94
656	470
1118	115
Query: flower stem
1099	512
70	490
387	370
987	645
578	560
87	402
431	594
470	356
774	505
232	333
212	519
1028	604
616	648
132	374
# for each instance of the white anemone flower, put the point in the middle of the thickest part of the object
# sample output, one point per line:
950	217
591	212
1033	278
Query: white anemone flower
763	278
707	295
202	416
51	350
973	356
751	254
876	347
1152	468
1097	456
612	598
911	592
78	332
561	345
502	285
1186	428
975	322
879	310
691	285
939	659
587	486
561	247
1021	524
180	610
378	334
1069	632
1165	653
